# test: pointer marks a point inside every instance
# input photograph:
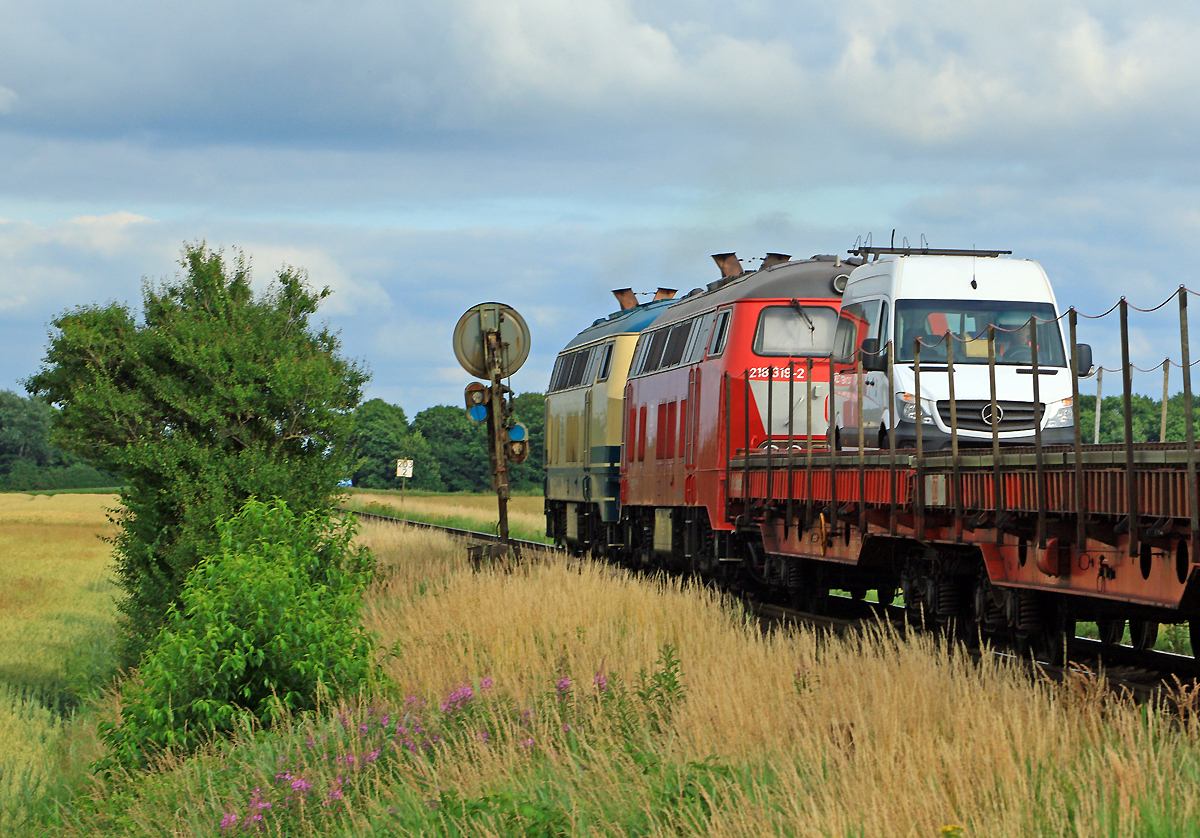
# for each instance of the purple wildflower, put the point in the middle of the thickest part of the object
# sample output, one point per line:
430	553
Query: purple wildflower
374	755
485	684
229	821
600	682
528	743
564	685
482	736
302	786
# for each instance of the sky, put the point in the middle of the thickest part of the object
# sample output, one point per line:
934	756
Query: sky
419	157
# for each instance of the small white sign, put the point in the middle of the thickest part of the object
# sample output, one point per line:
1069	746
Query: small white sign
404	468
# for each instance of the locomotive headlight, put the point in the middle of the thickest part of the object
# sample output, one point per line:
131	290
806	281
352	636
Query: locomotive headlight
1060	413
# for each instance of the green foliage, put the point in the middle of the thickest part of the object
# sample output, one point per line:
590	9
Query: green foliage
1147	418
217	396
28	462
382	436
266	625
460	445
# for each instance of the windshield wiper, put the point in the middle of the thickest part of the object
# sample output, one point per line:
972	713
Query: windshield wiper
800	310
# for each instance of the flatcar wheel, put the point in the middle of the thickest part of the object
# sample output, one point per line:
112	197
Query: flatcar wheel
886	595
1111	630
1143	633
858	594
1194	637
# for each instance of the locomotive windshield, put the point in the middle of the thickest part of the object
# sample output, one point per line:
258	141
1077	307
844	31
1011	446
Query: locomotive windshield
967	321
795	330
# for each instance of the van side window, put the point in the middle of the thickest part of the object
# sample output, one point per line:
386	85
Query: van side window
852	324
720	332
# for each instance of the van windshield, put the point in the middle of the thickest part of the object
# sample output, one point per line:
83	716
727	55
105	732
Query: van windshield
967	322
795	329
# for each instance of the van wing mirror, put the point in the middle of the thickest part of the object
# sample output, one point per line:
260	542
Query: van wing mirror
872	359
1083	358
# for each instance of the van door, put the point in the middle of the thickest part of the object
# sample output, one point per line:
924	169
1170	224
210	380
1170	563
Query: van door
858	322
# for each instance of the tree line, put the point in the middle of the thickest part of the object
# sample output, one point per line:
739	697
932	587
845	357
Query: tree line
448	449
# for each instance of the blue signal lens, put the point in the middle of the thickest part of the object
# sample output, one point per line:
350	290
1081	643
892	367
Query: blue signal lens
517	432
478	412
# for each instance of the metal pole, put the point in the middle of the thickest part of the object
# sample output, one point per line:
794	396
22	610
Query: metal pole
997	476
787	519
955	475
920	441
1099	397
1189	428
1077	432
1162	431
728	434
831	437
862	444
808	445
1127	403
1039	464
891	394
746	510
770	431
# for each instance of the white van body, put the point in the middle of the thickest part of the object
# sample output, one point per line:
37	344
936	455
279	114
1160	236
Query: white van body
900	296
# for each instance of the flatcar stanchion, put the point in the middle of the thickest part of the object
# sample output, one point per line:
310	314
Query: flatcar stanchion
831	437
491	342
891	389
1189	428
1039	459
808	447
862	446
994	421
1080	494
955	473
770	430
1131	503
791	469
920	441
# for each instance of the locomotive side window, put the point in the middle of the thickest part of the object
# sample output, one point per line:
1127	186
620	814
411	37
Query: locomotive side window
579	365
795	330
676	342
556	376
699	342
654	352
720	331
605	362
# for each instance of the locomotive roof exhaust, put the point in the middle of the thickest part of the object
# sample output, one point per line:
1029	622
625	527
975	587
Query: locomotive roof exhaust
664	294
625	298
729	264
774	259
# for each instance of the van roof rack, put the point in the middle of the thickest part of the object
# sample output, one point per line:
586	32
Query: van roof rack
876	252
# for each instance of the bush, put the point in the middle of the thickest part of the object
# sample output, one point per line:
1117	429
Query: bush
268	624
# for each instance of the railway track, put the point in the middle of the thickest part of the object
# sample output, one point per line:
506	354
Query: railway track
1147	676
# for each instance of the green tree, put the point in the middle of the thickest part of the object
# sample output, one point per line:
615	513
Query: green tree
530	410
218	395
460	446
382	436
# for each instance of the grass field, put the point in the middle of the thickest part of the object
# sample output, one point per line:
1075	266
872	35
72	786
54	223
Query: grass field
56	618
526	518
567	698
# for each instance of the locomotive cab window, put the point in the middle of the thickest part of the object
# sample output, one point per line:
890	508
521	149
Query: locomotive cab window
795	329
676	343
654	352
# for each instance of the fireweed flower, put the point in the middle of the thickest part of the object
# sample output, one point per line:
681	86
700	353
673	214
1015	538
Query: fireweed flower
564	685
485	684
229	821
302	786
600	682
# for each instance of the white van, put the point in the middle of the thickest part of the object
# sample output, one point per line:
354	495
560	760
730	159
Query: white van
906	293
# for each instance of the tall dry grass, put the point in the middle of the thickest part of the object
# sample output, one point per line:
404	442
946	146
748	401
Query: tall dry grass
870	735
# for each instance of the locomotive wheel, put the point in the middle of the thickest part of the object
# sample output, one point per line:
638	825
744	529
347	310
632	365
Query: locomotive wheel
1111	630
1143	633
